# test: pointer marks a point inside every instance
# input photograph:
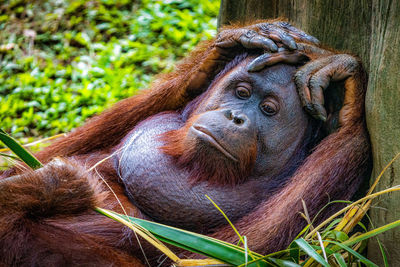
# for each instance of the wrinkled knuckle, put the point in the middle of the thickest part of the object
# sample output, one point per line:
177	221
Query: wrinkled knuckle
352	62
221	36
300	83
315	81
265	27
298	76
349	59
250	34
227	33
245	41
284	24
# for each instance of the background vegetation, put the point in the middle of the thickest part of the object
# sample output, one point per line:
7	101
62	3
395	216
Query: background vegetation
65	60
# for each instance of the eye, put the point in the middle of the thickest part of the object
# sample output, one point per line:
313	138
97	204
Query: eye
243	92
269	107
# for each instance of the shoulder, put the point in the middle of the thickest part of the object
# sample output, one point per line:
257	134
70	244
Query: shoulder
140	148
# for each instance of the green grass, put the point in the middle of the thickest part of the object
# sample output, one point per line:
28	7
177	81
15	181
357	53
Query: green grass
63	61
327	243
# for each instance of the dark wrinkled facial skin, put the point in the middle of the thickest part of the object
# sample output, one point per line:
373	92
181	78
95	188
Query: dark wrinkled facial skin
238	143
250	120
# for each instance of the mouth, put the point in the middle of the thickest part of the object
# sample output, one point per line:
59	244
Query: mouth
207	135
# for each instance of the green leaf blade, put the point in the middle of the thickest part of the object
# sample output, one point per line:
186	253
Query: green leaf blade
20	151
353	252
283	263
311	252
339	259
197	243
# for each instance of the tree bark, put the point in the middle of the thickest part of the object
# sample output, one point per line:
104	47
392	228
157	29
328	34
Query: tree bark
341	24
383	119
371	30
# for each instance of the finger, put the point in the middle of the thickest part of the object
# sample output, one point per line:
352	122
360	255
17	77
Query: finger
339	68
247	38
313	51
342	67
314	101
279	35
319	81
318	112
229	38
299	35
301	80
259	63
272	59
258	41
226	43
251	39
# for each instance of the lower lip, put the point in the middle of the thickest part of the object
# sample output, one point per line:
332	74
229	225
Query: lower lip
200	131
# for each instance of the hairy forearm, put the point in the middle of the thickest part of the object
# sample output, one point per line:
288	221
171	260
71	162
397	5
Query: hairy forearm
328	174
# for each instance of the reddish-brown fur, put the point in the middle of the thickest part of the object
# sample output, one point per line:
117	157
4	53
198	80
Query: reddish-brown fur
327	172
49	219
201	168
47	210
89	237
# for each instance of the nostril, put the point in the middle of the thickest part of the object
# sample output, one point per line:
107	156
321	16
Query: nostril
236	117
238	120
228	114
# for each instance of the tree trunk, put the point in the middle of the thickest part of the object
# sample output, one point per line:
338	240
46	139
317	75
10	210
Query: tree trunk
383	119
371	30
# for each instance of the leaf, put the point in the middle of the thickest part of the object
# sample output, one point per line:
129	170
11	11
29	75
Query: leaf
331	225
193	242
362	226
353	252
9	156
336	235
384	257
339	259
311	252
283	263
371	233
345	245
294	252
18	150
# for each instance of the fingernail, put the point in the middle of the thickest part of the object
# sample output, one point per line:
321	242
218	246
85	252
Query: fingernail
257	64
274	48
320	112
293	45
320	117
252	67
314	40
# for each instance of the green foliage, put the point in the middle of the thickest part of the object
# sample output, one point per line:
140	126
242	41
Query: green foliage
339	249
19	151
324	246
191	241
63	61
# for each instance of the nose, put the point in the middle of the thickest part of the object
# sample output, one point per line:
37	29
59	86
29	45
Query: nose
236	117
